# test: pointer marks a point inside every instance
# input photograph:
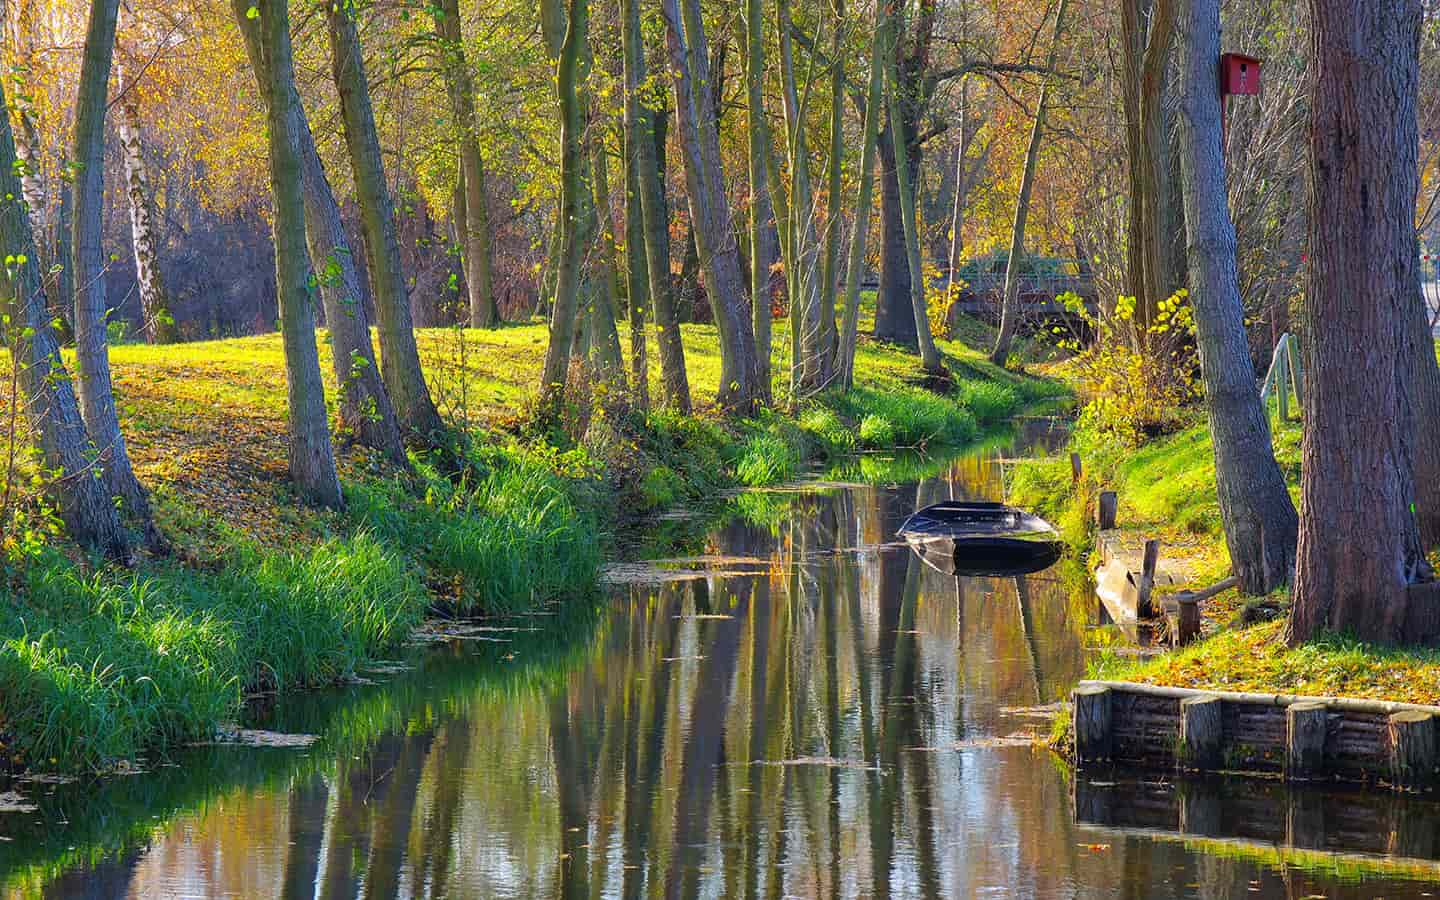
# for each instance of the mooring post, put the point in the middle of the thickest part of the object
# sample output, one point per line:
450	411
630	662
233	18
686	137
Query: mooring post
1092	723
1201	733
1076	469
1412	748
1305	725
1143	607
1107	508
1189	619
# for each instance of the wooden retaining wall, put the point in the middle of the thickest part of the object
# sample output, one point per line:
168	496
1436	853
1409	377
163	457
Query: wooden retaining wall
1384	832
1301	737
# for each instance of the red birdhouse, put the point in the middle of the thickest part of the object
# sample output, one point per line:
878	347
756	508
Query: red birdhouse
1239	74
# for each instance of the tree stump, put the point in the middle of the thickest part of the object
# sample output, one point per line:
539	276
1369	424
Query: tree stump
1092	723
1107	510
1412	748
1201	733
1305	725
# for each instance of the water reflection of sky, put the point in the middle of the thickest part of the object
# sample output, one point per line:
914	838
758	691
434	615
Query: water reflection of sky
846	723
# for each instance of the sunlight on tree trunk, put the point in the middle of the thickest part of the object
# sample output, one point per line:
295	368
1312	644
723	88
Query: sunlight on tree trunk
159	324
312	461
50	405
92	352
1255	506
400	358
479	278
1359	550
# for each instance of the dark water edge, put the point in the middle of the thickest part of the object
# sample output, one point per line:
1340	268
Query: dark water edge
801	708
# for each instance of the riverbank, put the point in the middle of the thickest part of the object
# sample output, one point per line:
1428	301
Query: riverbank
262	594
1166	490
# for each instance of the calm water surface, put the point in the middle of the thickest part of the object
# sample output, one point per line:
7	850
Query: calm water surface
804	710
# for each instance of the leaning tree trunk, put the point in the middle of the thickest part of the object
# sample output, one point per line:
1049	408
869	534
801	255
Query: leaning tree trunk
1009	307
159	323
1255	506
312	460
89	515
400	358
365	412
855	266
1359	548
715	243
92	352
929	355
479	278
645	130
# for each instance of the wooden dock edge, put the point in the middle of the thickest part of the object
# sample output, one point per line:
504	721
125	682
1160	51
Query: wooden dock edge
1302	737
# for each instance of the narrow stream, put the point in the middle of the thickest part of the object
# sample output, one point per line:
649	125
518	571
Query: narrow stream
805	710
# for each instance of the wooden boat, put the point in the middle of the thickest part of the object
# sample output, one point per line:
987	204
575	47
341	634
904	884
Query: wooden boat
986	539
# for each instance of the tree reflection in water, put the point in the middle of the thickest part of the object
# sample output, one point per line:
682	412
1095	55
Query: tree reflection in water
821	715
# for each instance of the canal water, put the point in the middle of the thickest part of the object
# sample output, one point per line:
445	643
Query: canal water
796	707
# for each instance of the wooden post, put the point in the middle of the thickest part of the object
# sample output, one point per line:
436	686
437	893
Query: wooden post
1107	508
1076	469
1282	381
1412	748
1143	608
1092	723
1189	619
1305	725
1201	733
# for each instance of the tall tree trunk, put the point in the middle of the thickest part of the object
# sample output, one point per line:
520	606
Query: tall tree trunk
92	352
479	280
1255	506
605	338
764	249
50	405
159	323
830	270
637	270
645	132
715	243
894	315
929	355
572	152
1010	306
855	267
1359	549
312	461
400	358
808	368
365	410
1422	383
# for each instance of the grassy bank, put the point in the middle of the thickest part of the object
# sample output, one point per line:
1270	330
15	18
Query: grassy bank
100	664
1166	489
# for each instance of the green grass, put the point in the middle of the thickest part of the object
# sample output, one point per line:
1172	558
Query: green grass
96	668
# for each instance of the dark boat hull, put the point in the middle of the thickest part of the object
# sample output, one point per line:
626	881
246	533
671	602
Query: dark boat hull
982	539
